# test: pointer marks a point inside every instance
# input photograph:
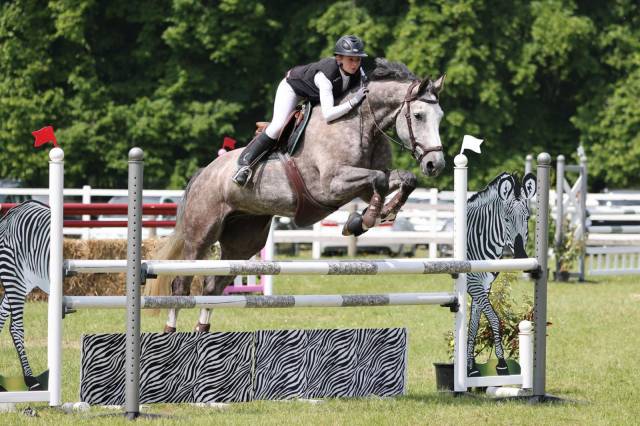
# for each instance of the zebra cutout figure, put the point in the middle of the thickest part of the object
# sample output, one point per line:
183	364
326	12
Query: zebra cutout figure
497	217
24	265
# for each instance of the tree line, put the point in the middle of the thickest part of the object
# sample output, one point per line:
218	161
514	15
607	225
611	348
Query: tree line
175	76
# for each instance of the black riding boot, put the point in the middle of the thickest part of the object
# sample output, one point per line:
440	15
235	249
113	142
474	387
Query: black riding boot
258	147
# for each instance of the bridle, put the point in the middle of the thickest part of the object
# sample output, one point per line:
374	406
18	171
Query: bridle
418	151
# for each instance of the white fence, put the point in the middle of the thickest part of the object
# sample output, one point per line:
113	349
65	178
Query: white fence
429	209
610	249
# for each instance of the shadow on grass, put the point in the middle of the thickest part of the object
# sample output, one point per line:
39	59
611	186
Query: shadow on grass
479	398
576	282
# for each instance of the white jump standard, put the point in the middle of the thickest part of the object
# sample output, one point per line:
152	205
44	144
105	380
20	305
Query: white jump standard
137	270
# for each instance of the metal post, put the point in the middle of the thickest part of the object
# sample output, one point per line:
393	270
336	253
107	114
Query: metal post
528	164
56	203
583	210
540	292
134	281
460	253
559	237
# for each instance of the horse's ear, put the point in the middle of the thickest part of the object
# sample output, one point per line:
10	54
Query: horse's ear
505	187
423	85
529	186
438	85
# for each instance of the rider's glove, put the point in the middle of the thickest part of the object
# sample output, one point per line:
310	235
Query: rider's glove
358	96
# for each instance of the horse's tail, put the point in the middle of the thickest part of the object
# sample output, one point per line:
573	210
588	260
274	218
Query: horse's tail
170	249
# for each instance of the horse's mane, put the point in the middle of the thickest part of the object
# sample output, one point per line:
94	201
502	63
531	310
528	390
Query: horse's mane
386	70
490	192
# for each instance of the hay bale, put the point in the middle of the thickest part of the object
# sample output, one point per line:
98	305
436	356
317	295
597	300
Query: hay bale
104	284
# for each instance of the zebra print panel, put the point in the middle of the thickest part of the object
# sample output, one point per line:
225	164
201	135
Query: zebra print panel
330	363
177	367
237	367
24	264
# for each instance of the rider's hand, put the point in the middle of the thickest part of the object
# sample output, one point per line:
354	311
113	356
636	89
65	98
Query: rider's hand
358	96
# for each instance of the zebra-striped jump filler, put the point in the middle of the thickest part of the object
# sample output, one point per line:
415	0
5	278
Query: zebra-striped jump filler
311	267
305	301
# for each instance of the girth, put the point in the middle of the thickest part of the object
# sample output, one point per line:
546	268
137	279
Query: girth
308	209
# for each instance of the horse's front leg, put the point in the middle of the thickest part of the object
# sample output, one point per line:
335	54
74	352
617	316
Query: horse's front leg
406	182
366	183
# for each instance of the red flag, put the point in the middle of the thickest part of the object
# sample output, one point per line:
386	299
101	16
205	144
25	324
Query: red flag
229	143
44	136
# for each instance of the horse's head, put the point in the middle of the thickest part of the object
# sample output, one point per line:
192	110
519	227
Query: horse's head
418	124
516	212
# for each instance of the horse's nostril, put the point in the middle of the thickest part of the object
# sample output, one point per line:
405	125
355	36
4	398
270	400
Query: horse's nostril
430	167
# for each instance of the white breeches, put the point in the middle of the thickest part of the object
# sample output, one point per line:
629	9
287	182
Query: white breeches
285	103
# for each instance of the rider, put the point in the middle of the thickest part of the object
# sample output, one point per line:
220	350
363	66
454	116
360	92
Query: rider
320	81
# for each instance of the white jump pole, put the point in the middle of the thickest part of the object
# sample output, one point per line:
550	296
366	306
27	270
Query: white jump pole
460	253
262	302
307	267
269	251
54	338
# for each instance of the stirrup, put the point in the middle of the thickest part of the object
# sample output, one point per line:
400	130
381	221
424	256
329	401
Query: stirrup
242	176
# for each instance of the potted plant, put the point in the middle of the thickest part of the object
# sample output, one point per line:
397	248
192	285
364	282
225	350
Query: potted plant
510	312
568	252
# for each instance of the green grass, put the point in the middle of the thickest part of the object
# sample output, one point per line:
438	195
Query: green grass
592	349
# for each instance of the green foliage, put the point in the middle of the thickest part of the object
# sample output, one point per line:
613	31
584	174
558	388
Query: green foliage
175	76
570	248
510	314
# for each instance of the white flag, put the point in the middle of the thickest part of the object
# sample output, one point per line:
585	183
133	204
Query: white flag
471	143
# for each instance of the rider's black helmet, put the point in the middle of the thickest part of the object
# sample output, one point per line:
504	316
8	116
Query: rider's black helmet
350	45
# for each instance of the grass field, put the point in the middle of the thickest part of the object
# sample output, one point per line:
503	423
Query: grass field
592	348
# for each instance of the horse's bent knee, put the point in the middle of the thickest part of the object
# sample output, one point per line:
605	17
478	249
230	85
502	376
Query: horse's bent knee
410	181
381	182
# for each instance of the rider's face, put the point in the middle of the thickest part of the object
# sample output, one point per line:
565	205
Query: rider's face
350	64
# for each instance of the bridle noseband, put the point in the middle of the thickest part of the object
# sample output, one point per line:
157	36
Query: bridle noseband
408	98
417	150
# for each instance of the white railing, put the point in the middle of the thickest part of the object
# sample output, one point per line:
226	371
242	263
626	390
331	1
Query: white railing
620	260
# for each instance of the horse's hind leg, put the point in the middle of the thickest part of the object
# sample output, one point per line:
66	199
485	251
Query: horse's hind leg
243	236
195	247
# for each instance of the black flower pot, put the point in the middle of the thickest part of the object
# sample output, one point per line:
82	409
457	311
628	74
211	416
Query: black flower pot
444	376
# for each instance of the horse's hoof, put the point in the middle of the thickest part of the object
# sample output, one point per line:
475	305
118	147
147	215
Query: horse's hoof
502	368
202	328
353	225
169	329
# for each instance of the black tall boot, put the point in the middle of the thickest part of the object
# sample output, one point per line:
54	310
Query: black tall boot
257	148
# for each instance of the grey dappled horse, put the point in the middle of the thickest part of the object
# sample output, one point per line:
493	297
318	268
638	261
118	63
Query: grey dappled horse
348	158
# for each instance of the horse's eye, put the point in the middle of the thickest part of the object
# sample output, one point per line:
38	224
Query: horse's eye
418	115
